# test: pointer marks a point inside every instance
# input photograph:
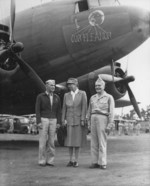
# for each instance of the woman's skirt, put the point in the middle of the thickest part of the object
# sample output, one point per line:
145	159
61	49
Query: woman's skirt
76	136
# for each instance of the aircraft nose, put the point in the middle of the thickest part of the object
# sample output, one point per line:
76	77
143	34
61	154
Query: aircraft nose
140	22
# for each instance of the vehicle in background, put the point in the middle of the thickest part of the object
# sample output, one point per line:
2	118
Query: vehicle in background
21	125
33	129
4	125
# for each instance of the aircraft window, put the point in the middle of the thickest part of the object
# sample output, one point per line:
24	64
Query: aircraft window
81	6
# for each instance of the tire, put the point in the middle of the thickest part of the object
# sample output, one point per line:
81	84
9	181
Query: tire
24	130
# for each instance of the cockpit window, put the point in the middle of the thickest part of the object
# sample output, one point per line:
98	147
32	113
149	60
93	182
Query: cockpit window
81	6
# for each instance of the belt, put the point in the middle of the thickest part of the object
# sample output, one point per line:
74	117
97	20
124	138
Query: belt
100	113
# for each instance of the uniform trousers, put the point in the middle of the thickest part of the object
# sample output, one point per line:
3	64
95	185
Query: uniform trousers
47	141
99	139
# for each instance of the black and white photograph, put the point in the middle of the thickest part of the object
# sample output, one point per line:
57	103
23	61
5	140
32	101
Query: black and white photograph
74	93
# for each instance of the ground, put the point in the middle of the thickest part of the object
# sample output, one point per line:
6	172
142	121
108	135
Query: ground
128	163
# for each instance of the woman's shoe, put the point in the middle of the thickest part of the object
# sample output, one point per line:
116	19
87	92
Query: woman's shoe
75	164
70	164
103	167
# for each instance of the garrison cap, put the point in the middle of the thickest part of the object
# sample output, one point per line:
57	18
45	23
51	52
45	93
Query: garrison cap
99	81
72	81
50	82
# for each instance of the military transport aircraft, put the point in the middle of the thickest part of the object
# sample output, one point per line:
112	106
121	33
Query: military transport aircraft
62	39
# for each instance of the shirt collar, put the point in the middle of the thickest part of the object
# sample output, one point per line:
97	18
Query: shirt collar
48	93
76	91
101	96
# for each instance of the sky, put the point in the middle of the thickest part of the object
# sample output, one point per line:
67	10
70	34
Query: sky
138	62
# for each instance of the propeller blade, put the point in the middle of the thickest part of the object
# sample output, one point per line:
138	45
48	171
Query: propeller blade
12	19
133	101
109	78
126	79
30	73
112	69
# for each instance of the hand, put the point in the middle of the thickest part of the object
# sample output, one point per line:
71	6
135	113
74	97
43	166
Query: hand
39	125
89	128
107	131
64	123
82	123
58	126
108	128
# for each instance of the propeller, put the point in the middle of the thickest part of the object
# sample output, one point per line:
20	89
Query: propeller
133	101
14	49
124	79
30	72
12	19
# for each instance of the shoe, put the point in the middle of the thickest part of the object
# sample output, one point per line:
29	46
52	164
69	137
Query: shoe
75	164
49	164
42	164
94	166
70	164
103	167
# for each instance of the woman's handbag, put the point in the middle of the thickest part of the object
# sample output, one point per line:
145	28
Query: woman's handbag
61	134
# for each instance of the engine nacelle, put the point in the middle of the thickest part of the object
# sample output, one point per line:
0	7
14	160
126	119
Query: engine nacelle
116	89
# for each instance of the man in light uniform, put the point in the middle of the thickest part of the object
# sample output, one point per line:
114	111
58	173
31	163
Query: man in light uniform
100	117
113	129
48	117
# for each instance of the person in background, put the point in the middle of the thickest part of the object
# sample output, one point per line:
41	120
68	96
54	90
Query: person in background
48	117
74	112
126	127
131	128
11	124
100	117
113	129
120	128
30	125
138	128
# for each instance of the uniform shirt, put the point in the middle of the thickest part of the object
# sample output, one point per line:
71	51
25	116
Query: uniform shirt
103	104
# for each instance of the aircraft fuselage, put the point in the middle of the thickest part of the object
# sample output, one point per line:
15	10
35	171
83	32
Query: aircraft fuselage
60	43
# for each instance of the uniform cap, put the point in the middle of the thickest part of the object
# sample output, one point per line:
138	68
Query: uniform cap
50	82
99	81
72	81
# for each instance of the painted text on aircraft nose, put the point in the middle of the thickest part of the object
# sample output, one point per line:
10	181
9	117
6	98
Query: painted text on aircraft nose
92	31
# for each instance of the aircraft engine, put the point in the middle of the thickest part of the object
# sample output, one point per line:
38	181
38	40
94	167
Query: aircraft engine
10	54
115	84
